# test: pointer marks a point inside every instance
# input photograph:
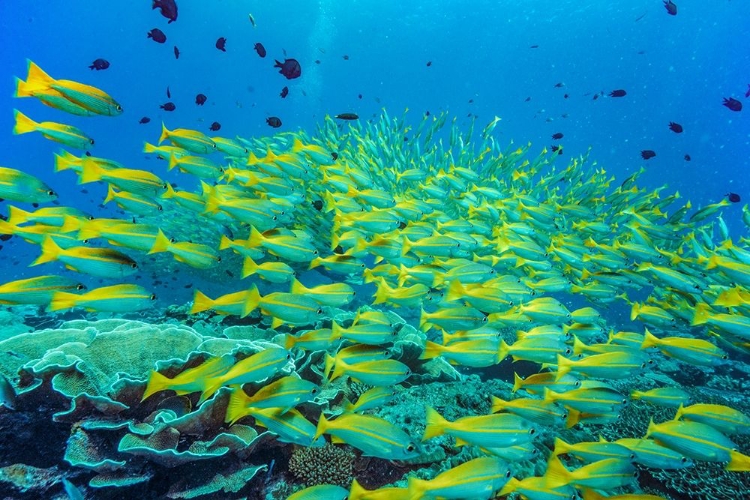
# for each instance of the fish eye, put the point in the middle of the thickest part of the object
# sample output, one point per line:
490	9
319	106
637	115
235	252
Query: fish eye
532	432
91	141
159	208
410	447
577	384
288	356
725	357
50	192
320	311
507	473
218	259
315	390
568	351
683	460
274	218
153	296
118	107
315	252
134	265
624	401
79	286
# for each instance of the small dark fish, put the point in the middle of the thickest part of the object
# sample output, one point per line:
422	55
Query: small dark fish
559	85
317	205
99	64
687	158
671	7
732	104
534	47
427	113
617	93
317	61
215	126
360	96
200	99
557	136
176	52
345	57
675	127
145	119
640	17
527	99
168	9
260	49
221	43
284	92
747	94
556	149
290	68
596	96
7	393
733	197
169	94
647	154
168	106
273	121
565	96
88	153
347	116
429	63
157	35
471	101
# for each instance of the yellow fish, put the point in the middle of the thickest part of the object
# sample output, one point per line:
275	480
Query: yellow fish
58	132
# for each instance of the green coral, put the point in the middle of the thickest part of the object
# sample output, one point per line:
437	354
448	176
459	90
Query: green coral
329	464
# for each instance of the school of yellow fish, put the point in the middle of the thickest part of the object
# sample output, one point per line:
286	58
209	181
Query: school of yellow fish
478	240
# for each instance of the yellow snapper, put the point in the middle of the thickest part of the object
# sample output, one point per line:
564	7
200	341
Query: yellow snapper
58	132
374	436
101	262
22	187
115	298
38	290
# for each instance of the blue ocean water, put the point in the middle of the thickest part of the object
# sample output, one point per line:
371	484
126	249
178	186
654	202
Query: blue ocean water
536	65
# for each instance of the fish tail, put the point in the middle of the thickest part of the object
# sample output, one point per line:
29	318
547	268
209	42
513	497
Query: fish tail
416	488
50	252
24	124
161	243
563	367
560	448
149	148
237	406
321	428
738	462
649	340
557	475
22	89
65	161
431	350
634	311
255	239
574	416
251	301
201	302
172	162
289	341
680	412
164	133
455	291
249	267
517	382
701	314
298	287
435	424
330	362
210	386
423	324
90	172
651	427
62	300
156	382
347	405
406	245
502	351
36	77
335	331
17	216
315	262
382	293
110	194
225	242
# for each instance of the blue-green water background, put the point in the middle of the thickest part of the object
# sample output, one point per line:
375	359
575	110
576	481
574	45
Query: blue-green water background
674	68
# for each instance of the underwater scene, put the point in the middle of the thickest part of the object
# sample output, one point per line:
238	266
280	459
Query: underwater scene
327	250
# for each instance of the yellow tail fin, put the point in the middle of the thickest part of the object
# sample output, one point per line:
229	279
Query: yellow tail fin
435	424
62	300
164	133
37	78
201	302
50	252
24	124
236	409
